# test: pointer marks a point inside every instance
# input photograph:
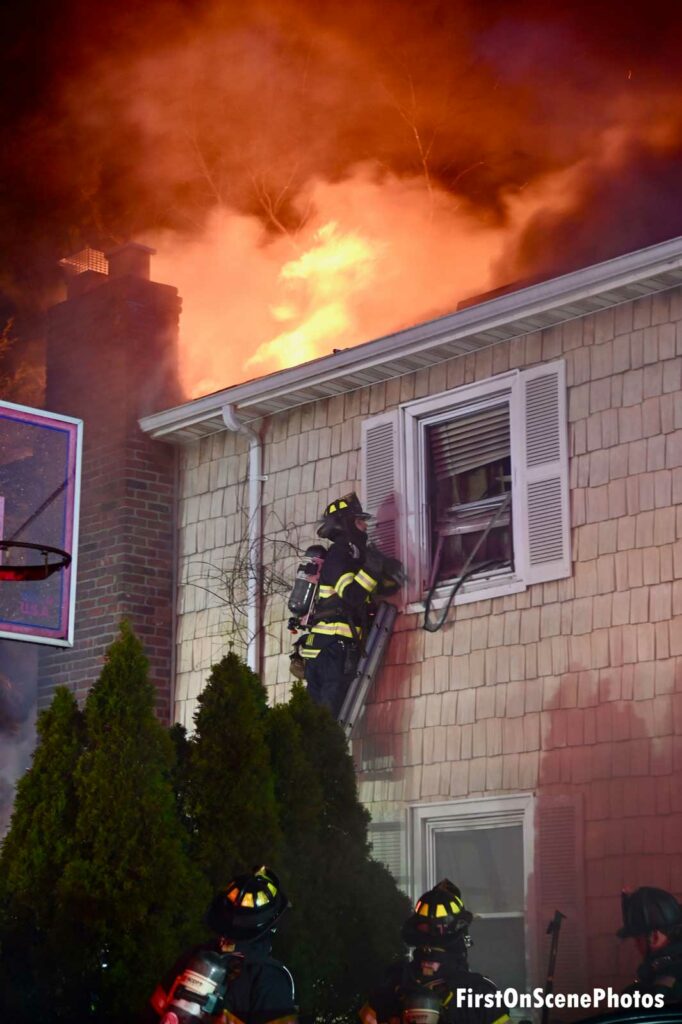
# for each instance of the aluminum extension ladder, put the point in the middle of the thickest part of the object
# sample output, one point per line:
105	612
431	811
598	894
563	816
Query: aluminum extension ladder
369	665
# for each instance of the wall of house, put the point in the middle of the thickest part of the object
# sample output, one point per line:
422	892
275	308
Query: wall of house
572	687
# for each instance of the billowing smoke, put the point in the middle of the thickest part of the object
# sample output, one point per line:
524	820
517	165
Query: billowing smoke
18	673
315	174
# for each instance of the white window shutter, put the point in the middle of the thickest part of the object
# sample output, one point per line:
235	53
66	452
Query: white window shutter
380	479
543	472
560	881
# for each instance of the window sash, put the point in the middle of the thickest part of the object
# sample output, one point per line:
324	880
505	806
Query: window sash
463	816
418	417
467	441
490	915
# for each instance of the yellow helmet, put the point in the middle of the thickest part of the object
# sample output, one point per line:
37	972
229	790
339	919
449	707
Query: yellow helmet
439	917
248	906
340	515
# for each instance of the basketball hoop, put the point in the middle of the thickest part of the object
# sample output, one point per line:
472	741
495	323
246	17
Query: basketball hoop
54	559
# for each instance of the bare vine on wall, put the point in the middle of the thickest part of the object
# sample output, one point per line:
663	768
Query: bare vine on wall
270	564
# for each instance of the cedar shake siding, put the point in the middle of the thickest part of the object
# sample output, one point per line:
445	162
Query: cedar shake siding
551	709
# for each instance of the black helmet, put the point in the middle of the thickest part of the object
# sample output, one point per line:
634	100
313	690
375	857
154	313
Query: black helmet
248	907
338	519
646	910
440	918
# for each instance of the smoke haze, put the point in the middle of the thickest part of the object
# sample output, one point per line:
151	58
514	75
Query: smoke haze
317	174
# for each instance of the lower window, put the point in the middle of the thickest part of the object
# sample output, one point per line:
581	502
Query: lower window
485	847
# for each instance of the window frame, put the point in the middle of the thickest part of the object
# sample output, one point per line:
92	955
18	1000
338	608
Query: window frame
415	416
426	820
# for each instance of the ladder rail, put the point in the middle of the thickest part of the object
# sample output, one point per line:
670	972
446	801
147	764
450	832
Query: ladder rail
369	665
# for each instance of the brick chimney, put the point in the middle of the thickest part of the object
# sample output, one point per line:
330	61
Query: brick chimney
111	358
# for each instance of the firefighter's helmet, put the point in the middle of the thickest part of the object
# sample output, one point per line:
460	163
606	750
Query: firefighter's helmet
339	517
249	906
648	909
440	919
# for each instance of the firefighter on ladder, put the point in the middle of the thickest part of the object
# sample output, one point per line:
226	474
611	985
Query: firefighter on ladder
353	571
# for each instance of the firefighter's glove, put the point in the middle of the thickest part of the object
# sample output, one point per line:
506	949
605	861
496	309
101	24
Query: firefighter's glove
383	567
386	586
297	664
393	569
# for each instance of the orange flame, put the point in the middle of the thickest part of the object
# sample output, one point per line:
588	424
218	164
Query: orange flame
314	176
378	255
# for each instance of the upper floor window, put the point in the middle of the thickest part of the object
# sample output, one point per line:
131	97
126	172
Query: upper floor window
474	481
467	481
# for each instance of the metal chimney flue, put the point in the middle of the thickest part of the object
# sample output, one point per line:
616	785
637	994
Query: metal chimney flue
132	259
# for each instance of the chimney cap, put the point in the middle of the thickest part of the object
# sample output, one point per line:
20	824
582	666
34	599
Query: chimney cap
134	246
132	258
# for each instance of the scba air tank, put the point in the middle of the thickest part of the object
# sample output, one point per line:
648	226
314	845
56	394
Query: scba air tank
305	584
197	993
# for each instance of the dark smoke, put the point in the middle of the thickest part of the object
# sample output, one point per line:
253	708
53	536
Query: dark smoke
638	208
124	118
18	673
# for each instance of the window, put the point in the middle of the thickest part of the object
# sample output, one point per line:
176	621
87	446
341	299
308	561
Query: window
474	481
467	482
486	847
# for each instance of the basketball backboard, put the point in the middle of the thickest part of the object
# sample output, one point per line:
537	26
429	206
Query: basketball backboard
40	462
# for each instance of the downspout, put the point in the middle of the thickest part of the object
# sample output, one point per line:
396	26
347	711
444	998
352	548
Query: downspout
253	596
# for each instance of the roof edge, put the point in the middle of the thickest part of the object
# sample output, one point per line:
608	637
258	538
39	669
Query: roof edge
184	421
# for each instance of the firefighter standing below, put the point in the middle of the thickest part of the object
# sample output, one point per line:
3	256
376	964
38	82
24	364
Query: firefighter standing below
653	918
234	979
350	575
427	986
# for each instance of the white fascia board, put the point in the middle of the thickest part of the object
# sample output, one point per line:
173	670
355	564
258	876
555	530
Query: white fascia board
455	329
